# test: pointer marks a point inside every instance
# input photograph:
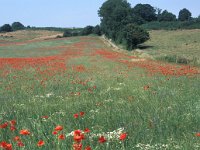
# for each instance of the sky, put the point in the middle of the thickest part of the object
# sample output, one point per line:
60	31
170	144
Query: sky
74	13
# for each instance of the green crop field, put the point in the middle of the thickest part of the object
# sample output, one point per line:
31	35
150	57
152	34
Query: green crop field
175	45
78	92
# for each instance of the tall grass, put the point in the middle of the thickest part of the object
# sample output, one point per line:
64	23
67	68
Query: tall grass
156	112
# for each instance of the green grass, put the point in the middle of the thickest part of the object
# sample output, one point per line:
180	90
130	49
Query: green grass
178	44
34	49
165	116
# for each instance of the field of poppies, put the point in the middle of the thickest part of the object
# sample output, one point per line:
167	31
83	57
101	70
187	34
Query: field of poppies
79	94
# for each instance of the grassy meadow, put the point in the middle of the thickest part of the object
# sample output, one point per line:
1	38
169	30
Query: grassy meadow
178	46
116	101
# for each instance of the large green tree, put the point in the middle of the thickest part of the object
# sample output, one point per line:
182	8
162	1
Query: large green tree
6	28
166	16
184	15
17	26
145	11
114	14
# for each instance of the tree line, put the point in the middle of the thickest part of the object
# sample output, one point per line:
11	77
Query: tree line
14	27
124	24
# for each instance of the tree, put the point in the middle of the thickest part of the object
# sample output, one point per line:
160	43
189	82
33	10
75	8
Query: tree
145	11
17	26
166	16
6	28
67	33
87	30
184	15
134	35
114	14
97	30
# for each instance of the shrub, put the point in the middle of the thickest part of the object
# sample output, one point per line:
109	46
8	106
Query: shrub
87	30
17	26
67	33
97	30
134	35
6	28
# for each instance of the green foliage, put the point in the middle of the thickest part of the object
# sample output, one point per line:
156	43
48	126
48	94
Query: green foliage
145	11
17	26
134	35
115	14
184	15
6	28
166	16
87	30
97	30
117	20
67	33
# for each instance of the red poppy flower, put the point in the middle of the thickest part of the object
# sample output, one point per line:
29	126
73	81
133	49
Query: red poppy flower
13	122
102	139
40	143
20	144
87	130
45	117
88	148
61	137
2	126
17	138
198	134
81	113
123	136
58	128
6	146
146	87
54	132
12	128
75	115
3	144
78	136
77	146
24	132
77	132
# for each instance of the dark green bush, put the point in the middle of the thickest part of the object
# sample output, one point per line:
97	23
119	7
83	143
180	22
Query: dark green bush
134	35
97	30
87	30
67	33
6	28
17	26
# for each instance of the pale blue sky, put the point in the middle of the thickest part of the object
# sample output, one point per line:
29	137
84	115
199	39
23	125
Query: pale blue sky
74	13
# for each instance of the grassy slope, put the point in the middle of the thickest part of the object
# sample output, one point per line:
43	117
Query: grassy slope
165	116
180	43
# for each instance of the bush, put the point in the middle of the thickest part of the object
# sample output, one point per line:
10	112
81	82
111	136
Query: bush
87	30
134	35
6	28
67	33
97	30
17	26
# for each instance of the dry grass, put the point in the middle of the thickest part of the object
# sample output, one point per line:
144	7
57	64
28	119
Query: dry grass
24	35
